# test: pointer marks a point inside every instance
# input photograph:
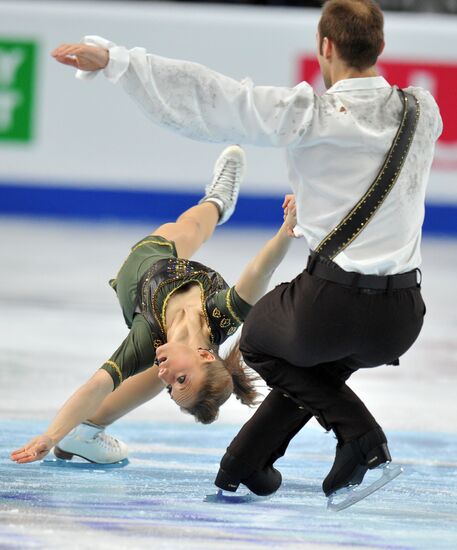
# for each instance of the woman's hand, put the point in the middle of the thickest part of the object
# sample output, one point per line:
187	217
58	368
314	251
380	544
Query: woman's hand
290	214
82	56
82	405
36	449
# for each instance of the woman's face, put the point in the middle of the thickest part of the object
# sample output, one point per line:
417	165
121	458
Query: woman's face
181	369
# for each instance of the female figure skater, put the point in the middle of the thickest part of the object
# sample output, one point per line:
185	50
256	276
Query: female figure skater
178	312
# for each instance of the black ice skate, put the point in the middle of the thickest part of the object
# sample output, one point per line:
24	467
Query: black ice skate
352	461
233	472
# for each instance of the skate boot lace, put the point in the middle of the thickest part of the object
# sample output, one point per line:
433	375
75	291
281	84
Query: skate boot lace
106	441
228	174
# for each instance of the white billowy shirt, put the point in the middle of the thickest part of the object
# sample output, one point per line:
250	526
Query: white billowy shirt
335	143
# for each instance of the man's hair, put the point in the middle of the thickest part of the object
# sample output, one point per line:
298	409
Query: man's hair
223	377
356	27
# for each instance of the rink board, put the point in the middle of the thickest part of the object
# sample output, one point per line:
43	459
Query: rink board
157	500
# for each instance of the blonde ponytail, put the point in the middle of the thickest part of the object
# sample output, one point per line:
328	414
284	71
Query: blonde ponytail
243	378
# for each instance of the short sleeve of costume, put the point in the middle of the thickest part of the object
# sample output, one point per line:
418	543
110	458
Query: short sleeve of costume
227	311
134	355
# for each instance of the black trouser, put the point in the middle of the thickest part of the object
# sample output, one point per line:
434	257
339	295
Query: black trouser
306	338
265	437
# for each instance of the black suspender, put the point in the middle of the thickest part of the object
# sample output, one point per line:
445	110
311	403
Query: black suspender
357	219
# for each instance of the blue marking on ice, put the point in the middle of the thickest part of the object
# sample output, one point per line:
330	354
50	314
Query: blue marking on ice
157	500
242	497
81	463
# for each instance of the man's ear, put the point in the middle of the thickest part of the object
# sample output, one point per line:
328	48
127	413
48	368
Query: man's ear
327	48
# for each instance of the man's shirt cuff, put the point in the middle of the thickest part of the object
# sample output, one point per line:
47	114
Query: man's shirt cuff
118	63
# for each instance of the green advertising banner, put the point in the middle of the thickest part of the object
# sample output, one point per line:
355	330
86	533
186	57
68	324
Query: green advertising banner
17	87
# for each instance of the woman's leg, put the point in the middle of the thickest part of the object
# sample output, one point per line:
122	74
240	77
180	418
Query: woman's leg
197	224
128	396
191	229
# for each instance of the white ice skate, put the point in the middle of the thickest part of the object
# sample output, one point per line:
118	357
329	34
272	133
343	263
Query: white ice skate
90	442
227	176
343	498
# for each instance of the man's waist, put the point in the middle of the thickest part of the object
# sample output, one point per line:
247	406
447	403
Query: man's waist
324	268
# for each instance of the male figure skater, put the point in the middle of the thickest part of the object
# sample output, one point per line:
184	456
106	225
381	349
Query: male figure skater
357	305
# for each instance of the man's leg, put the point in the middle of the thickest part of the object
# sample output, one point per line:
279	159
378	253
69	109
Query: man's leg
338	330
261	441
265	437
320	390
362	444
296	337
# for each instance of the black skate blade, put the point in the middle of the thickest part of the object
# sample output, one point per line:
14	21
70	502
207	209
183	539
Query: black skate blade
82	464
221	497
353	495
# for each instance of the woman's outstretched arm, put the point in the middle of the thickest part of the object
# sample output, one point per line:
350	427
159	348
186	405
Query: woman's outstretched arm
254	280
81	406
132	393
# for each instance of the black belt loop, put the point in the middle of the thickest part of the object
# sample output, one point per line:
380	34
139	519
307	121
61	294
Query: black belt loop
390	284
312	259
355	282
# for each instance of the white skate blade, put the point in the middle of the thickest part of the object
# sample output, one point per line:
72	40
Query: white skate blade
220	497
354	495
82	464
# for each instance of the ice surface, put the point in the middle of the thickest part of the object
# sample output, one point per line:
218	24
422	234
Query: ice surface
157	500
60	320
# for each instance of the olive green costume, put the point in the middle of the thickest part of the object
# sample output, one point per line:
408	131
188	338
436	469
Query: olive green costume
149	277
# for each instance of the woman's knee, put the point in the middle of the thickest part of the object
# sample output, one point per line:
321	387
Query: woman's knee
191	223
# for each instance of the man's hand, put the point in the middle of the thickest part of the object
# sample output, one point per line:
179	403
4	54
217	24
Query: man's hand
36	449
81	56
